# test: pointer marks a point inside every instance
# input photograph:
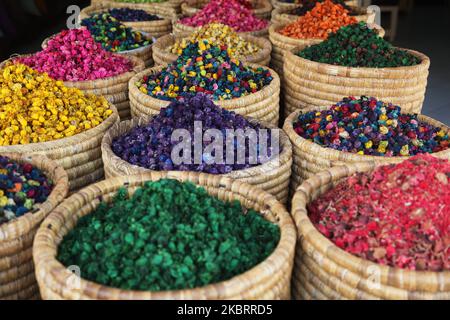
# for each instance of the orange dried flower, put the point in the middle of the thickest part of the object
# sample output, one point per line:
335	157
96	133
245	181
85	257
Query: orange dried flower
324	18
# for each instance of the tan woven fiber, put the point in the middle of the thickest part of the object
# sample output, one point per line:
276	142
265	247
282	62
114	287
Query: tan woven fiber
262	105
324	270
79	155
310	158
174	5
261	8
273	176
162	54
318	84
16	237
179	28
155	28
268	280
283	15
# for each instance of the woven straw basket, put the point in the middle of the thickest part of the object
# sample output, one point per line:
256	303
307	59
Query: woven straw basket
156	28
261	8
320	84
17	280
79	155
310	158
268	280
324	271
281	44
114	89
272	177
281	15
179	28
162	55
168	4
262	105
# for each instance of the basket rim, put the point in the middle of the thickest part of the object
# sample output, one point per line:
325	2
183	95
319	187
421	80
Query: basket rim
15	228
133	89
107	152
64	142
281	255
302	222
296	140
424	64
263	52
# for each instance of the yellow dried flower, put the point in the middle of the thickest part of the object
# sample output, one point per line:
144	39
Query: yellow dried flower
35	108
217	34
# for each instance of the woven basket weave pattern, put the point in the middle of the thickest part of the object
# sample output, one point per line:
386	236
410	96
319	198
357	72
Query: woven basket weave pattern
17	280
273	176
318	84
324	271
262	105
268	280
310	158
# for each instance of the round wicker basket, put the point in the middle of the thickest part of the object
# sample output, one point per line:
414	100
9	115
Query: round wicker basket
324	271
162	55
179	28
155	28
17	280
319	84
261	8
272	177
262	105
268	280
311	158
80	155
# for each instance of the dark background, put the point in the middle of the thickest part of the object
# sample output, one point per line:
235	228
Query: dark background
423	26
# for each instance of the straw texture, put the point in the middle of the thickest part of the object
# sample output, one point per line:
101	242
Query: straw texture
319	84
162	54
262	105
156	28
179	28
324	271
168	4
261	8
17	279
79	155
273	176
310	158
268	280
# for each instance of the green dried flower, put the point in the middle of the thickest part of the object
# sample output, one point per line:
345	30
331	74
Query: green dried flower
357	45
168	235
